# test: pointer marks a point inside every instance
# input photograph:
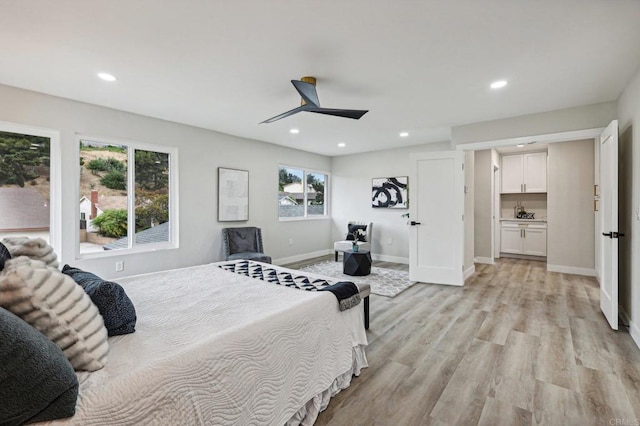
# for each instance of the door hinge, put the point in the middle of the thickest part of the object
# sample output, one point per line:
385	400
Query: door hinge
463	218
463	169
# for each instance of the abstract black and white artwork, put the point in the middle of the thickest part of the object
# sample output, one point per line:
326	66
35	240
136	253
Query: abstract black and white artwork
390	193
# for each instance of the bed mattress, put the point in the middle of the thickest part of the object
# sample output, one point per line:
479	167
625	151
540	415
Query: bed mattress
214	347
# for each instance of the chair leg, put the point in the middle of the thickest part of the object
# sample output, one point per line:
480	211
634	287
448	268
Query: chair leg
336	255
366	313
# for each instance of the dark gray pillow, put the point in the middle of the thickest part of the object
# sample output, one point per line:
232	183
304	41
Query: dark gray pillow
358	231
4	255
114	305
242	240
37	382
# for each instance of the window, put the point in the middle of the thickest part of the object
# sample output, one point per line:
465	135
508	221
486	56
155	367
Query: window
301	193
27	183
123	187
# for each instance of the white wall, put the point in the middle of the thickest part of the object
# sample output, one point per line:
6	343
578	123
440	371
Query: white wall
483	177
351	198
570	215
629	121
200	153
564	120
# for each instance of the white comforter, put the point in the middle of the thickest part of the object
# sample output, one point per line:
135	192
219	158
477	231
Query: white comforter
214	347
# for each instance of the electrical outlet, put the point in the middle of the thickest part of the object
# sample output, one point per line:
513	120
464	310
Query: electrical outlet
390	241
290	241
119	266
638	213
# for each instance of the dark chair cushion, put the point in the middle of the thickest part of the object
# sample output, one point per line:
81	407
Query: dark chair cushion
4	255
114	305
242	240
359	230
37	382
258	257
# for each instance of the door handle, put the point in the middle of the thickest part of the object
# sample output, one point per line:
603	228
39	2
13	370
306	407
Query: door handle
414	223
608	234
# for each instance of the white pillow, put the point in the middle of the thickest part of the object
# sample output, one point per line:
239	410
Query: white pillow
58	307
35	248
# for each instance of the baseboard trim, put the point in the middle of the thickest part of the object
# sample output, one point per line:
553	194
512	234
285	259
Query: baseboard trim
469	271
523	256
300	257
485	260
571	270
634	331
386	258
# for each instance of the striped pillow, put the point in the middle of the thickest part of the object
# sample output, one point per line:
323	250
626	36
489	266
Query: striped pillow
55	305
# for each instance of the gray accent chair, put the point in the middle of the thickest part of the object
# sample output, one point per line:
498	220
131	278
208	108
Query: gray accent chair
344	245
244	243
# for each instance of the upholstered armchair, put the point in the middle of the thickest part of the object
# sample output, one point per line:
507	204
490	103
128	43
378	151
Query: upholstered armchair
244	243
363	232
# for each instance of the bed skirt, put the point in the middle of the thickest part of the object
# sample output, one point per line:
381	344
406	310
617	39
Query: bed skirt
308	414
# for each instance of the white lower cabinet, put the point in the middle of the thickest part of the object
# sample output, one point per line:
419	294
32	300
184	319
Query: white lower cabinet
523	238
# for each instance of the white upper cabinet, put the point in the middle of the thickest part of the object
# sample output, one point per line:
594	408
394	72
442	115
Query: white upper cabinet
524	173
535	172
512	174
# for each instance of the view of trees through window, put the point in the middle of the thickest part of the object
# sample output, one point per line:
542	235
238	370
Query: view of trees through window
24	185
298	200
104	195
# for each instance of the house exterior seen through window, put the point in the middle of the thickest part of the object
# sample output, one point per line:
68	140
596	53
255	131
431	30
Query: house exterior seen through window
301	193
25	185
125	197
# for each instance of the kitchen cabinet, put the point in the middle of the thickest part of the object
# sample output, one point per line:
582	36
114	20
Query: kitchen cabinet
523	238
524	173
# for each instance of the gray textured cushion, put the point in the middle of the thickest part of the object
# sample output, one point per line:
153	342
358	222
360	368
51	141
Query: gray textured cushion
37	383
113	303
54	304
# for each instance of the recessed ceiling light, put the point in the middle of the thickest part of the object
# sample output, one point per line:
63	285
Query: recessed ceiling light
106	76
404	134
342	145
498	84
520	145
294	131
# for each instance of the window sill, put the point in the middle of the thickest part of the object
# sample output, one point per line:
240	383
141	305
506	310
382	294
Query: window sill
298	219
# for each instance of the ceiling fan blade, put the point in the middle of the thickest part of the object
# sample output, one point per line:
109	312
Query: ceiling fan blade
307	91
347	113
285	114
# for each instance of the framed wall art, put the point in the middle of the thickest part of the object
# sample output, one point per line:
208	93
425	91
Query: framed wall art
390	192
233	195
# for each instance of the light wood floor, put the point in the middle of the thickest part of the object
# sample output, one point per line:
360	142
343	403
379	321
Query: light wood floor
515	345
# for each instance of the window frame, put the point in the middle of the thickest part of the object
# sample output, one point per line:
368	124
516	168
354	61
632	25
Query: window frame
327	191
132	247
55	177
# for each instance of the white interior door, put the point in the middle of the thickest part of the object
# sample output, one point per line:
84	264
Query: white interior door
496	211
436	240
609	223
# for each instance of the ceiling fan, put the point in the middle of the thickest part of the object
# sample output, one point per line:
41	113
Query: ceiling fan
306	87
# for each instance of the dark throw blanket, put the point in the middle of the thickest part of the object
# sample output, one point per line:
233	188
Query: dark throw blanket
345	291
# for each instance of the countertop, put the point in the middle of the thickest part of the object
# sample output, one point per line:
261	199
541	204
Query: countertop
523	220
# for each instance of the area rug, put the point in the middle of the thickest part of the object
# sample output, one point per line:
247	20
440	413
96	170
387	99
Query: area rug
385	282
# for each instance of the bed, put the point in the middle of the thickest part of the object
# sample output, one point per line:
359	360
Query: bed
216	347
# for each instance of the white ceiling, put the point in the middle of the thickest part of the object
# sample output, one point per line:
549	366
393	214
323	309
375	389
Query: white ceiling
418	66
